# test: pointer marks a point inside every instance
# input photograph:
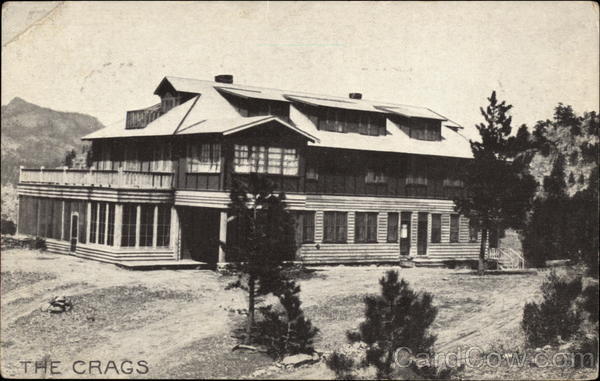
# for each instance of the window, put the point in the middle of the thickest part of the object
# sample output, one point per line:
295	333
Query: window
93	222
101	222
339	120
161	159
290	162
418	172
473	230
163	230
365	227
392	227
104	163
375	177
110	233
128	225
260	159
312	173
436	228
132	162
305	227
275	157
204	158
146	224
426	129
168	101
454	227
335	227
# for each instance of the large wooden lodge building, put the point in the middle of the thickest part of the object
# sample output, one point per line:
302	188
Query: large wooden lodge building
368	181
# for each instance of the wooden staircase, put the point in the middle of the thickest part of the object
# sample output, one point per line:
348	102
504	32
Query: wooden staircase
507	258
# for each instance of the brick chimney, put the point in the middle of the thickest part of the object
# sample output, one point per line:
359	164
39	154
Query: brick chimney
355	96
224	78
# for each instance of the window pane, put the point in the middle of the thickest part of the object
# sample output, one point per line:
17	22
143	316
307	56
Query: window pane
454	227
128	225
392	228
290	162
308	227
111	225
146	225
240	160
93	222
163	230
436	228
204	158
341	221
275	157
360	227
473	231
101	222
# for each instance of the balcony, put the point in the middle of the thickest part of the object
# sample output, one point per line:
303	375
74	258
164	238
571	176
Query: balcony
96	178
141	118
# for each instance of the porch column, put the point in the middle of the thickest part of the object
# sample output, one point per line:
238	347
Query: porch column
105	222
88	220
97	222
118	224
138	220
62	222
174	238
222	235
154	226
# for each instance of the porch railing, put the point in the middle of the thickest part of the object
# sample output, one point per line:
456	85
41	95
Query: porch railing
97	178
507	258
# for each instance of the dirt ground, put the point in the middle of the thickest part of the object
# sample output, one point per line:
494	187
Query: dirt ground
177	323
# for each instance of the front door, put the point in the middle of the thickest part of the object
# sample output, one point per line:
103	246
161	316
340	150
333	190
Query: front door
422	234
74	231
405	233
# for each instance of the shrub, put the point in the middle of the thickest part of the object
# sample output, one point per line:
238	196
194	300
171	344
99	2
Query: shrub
590	302
342	365
8	227
556	316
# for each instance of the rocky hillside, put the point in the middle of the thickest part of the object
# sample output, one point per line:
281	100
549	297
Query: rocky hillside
35	136
573	136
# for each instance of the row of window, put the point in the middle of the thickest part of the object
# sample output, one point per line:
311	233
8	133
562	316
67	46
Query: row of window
335	227
129	158
146	229
340	120
261	159
102	223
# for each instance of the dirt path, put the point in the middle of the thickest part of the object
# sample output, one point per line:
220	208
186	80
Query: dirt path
179	323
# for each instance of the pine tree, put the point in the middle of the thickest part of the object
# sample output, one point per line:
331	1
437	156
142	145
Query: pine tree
265	240
397	318
69	157
546	235
498	189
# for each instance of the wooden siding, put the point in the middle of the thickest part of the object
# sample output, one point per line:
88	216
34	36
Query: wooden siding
96	194
382	251
110	254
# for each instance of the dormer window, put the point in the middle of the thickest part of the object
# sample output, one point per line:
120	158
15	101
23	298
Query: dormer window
426	129
365	123
168	101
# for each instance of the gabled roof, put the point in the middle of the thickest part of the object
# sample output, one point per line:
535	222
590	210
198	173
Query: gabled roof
180	121
234	125
209	112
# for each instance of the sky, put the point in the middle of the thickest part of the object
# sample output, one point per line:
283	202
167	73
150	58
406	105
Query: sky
103	58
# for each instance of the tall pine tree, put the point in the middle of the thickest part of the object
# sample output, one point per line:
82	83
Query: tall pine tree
263	241
498	189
